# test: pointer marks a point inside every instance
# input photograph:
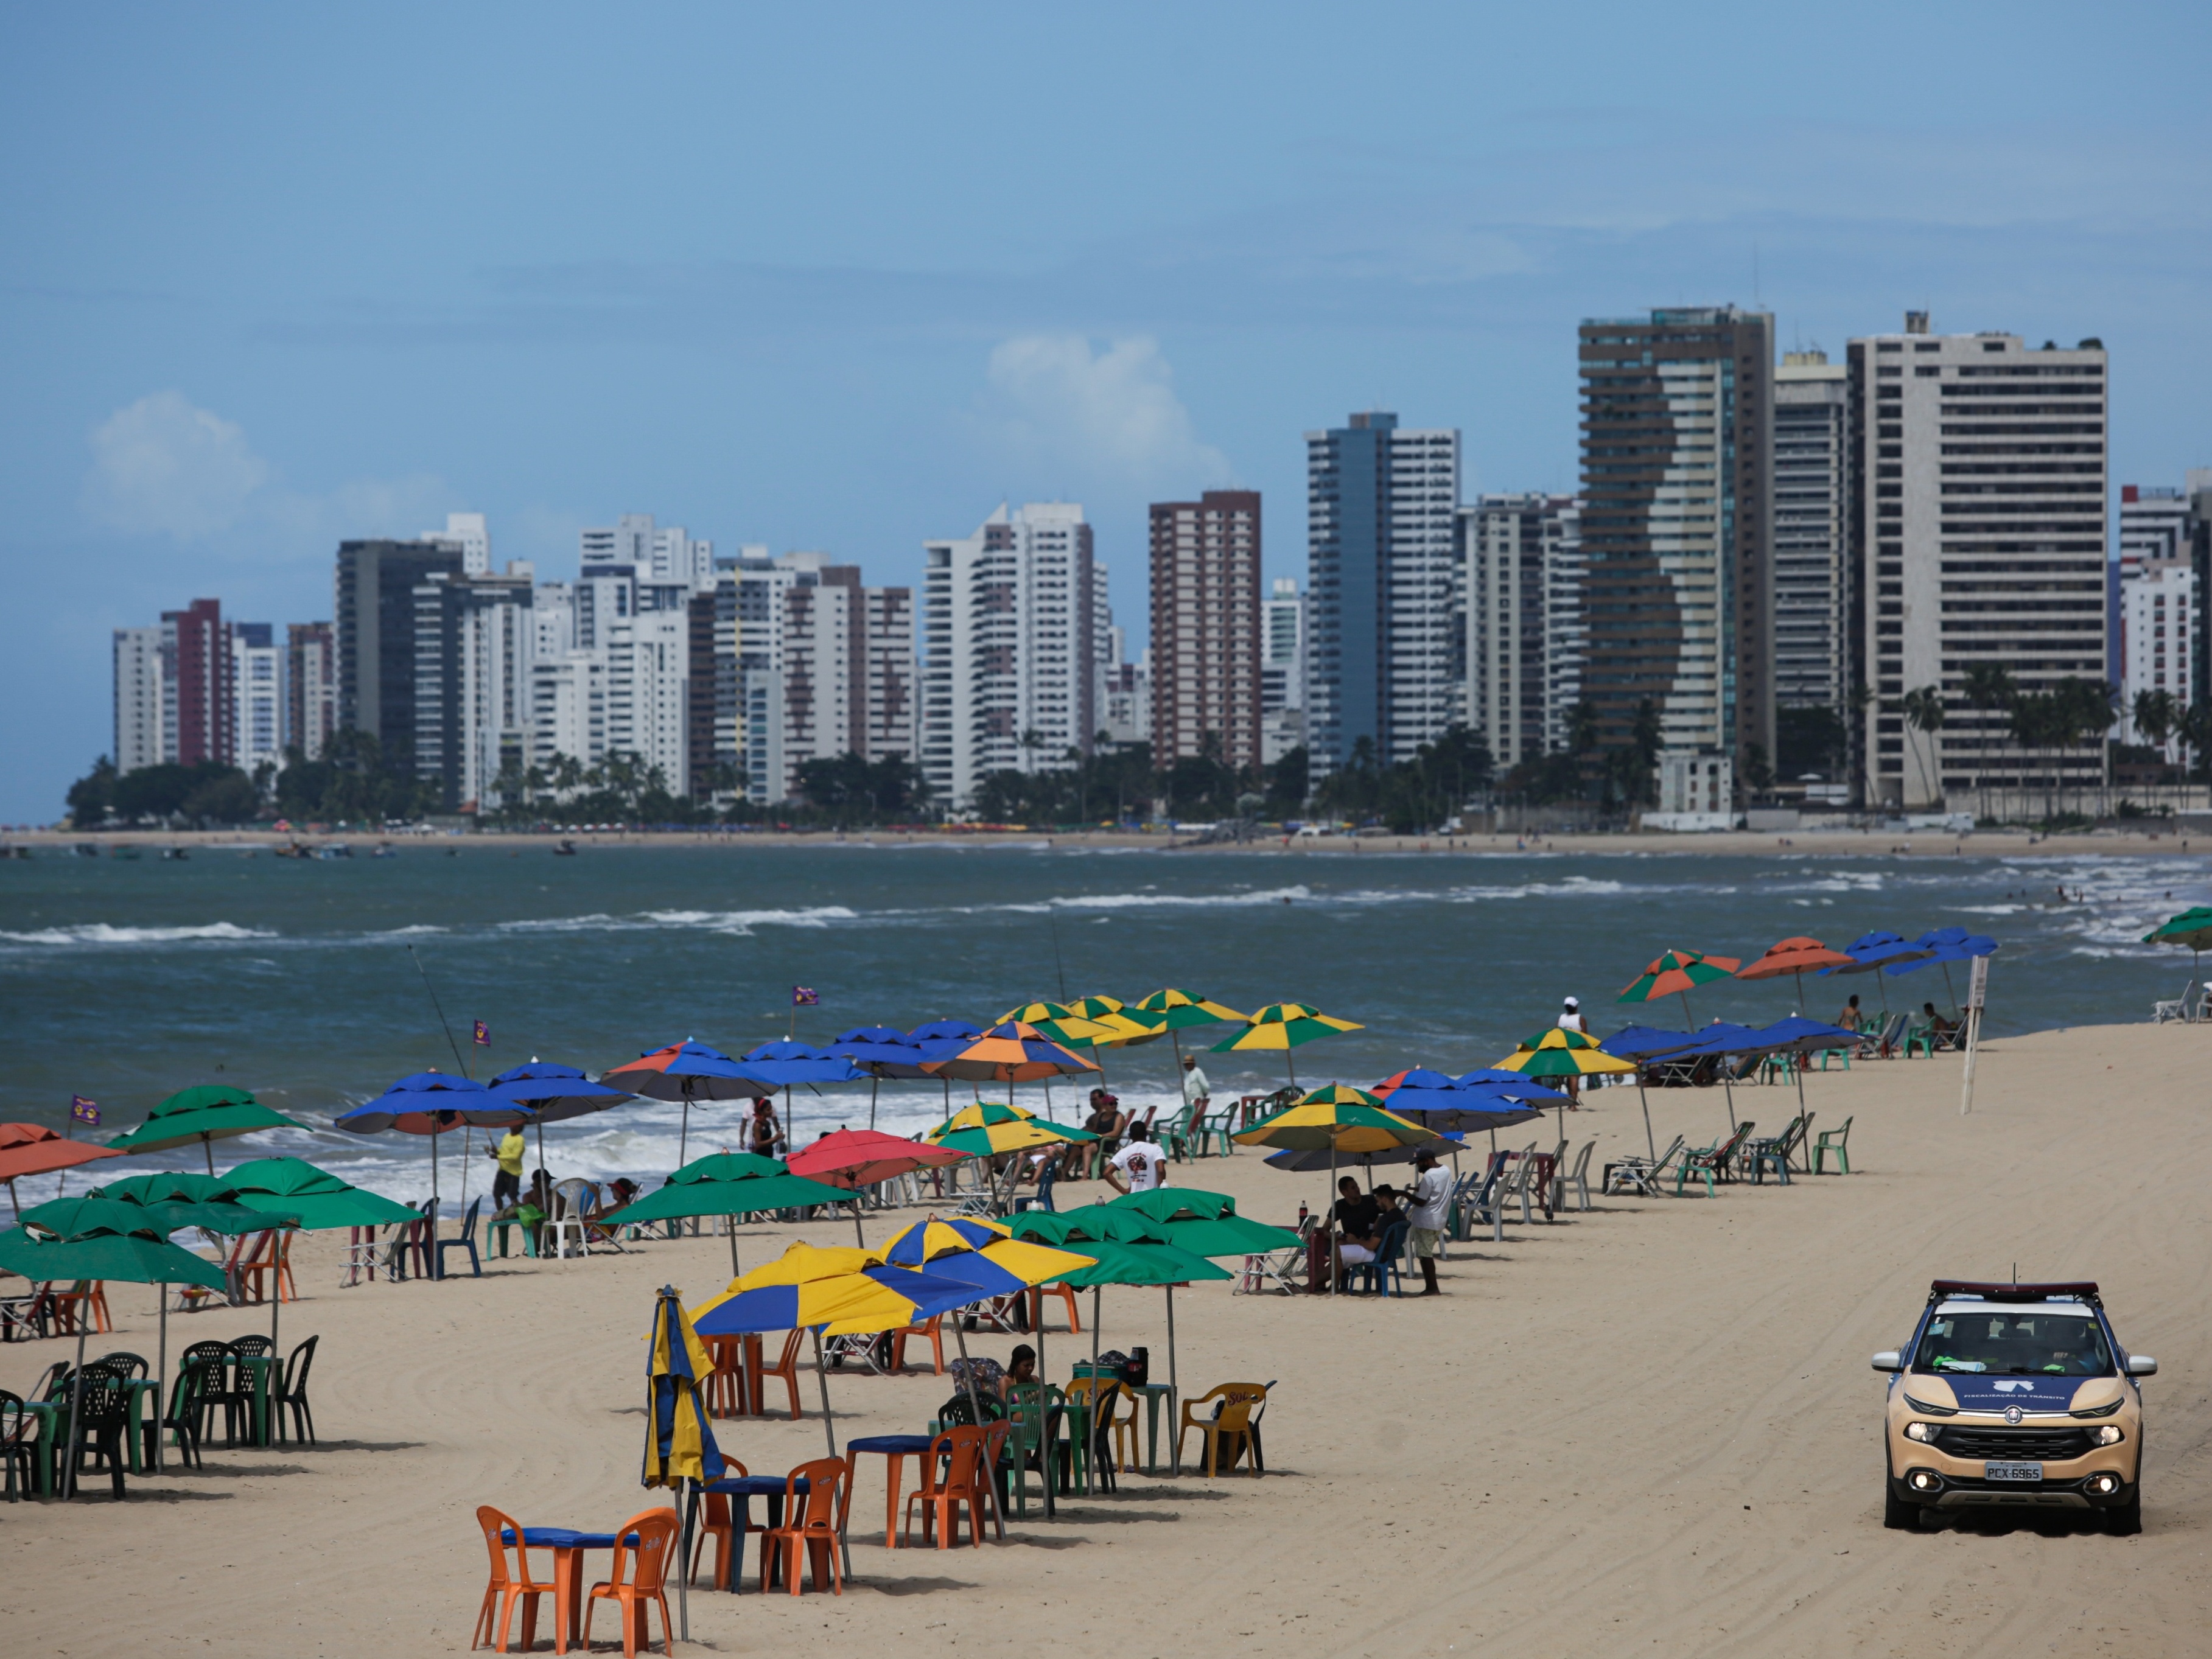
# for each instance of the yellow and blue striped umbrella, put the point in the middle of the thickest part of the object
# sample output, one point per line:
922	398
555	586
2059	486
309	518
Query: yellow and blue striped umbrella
983	1253
839	1292
679	1445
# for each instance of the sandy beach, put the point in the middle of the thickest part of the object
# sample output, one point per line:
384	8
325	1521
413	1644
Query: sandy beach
1650	1428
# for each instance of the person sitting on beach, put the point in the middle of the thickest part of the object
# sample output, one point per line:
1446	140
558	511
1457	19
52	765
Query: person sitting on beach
1021	1368
1939	1028
1106	1122
1358	1222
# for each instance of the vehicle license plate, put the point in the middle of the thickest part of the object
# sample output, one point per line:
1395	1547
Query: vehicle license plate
1994	1471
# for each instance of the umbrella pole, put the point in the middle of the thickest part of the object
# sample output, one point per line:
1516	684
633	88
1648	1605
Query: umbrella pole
77	1410
1044	1412
1643	1100
859	1238
1090	1474
207	1145
1328	1204
683	1583
874	1083
16	1201
160	1372
276	1294
1950	990
975	1405
1727	1088
730	1221
1175	1458
1688	1012
844	1542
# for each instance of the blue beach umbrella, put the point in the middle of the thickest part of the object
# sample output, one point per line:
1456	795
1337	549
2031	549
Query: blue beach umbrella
1946	945
553	1094
1870	953
784	1062
687	1071
1647	1042
881	1051
1797	1035
430	1103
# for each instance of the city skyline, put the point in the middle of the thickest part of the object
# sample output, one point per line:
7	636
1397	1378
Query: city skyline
231	351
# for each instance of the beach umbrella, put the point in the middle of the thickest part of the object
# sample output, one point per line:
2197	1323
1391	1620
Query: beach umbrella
881	1051
320	1199
1282	1026
1011	1052
1796	956
1446	1104
1129	1248
1720	1040
1557	1052
1118	1030
853	1158
2190	929
1797	1035
786	1062
1946	945
553	1093
989	1128
1646	1043
687	1071
1057	1022
679	1441
207	1114
129	1245
1175	1011
1341	1120
1870	953
431	1103
730	1184
1672	974
941	1039
30	1149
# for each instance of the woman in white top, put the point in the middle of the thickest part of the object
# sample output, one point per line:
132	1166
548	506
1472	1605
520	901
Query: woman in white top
1571	1019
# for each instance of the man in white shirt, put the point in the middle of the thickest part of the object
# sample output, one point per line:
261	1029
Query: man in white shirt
1426	1203
1195	1086
1139	1166
1571	1019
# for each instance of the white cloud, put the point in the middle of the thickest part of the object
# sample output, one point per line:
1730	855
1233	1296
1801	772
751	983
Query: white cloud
1113	412
163	464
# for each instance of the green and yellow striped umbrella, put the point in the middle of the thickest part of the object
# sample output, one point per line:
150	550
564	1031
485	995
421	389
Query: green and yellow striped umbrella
1338	1117
1178	1010
1559	1052
1282	1026
1114	1013
1057	1022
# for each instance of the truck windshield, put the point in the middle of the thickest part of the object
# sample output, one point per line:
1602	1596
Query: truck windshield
2013	1341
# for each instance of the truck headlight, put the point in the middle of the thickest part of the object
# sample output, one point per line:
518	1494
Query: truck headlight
1924	1433
2109	1435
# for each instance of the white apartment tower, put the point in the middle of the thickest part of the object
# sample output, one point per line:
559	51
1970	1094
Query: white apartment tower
143	705
1510	550
471	535
658	554
1980	539
1282	670
258	687
1811	504
1010	632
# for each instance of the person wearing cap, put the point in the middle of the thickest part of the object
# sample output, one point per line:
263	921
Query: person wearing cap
1426	1203
1571	1019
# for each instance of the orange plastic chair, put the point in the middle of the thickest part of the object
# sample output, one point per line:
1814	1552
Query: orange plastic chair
994	1453
85	1302
507	1586
950	1475
272	1254
1066	1293
720	1524
725	1383
810	1520
930	1328
788	1369
643	1543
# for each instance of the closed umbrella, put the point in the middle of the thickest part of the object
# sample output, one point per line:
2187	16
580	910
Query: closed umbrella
687	1071
1282	1026
205	1115
679	1441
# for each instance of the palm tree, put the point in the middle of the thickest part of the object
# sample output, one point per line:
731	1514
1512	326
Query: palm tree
1924	712
1989	686
2157	714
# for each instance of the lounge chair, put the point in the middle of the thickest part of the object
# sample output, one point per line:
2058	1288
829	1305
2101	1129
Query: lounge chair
1772	1152
1886	1041
2176	1008
1277	1269
1640	1175
1836	1141
1710	1162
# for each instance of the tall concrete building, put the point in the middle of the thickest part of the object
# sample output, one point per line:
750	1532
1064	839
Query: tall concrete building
1519	583
142	698
1282	670
471	535
658	553
1677	423
373	623
1206	672
890	687
1978	539
1384	659
203	686
1010	636
474	652
257	700
2159	609
1566	625
311	693
1811	501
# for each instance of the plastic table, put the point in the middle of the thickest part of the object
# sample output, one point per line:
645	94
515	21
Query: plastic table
743	1489
895	1449
567	1546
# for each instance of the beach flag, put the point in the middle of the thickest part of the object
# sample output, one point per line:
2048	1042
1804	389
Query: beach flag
84	1111
484	1035
803	997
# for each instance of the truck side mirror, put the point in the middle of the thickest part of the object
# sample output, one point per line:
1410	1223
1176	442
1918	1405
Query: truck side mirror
1888	1360
2142	1364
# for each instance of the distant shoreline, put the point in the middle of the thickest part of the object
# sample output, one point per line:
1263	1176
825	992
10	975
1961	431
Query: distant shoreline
2140	843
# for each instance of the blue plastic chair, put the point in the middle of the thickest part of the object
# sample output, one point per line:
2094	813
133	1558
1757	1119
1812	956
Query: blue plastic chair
467	1241
1387	1268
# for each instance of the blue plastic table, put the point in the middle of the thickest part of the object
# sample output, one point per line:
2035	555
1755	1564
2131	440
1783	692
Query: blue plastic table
567	1546
894	1448
744	1488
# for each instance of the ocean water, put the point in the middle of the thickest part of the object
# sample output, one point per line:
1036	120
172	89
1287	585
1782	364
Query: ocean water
125	981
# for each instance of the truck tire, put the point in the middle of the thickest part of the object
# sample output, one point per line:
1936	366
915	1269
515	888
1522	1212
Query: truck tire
2125	1520
1897	1514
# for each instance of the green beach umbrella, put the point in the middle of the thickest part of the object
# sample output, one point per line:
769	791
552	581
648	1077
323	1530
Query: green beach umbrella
1205	1223
2191	929
169	1187
315	1196
1337	1119
734	1184
124	1244
207	1114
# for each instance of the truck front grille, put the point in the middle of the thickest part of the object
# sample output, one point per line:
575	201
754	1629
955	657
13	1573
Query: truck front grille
2027	1445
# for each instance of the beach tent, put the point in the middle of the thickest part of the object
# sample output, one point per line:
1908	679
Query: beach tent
207	1114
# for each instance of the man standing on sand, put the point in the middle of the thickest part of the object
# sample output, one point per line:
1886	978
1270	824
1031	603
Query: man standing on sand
506	1185
1196	1090
1425	1217
1139	1166
1571	1019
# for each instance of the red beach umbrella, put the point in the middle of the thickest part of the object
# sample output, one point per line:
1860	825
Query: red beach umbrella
28	1149
1674	973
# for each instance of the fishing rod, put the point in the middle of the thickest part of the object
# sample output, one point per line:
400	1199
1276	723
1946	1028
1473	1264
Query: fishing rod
439	1009
468	1147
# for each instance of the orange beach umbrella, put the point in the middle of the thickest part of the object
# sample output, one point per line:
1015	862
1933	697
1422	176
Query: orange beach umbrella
1674	973
1797	957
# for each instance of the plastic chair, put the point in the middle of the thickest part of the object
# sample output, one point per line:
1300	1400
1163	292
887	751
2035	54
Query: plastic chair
85	1299
929	1329
720	1521
467	1242
1836	1141
18	1443
272	1255
507	1586
810	1519
102	1402
1389	1265
1110	1432
950	1476
218	1391
1576	1176
1230	1420
725	1383
290	1390
642	1545
568	1217
788	1369
198	1391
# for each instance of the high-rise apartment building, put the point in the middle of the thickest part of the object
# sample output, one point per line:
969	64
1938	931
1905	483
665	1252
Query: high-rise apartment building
1009	636
1566	626
1677	424
1206	651
375	627
474	642
143	736
1384	661
202	702
888	684
257	701
468	533
1282	670
311	696
658	554
1811	501
1511	551
1978	539
2161	620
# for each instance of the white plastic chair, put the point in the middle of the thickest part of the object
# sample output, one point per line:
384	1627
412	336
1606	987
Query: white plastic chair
569	1205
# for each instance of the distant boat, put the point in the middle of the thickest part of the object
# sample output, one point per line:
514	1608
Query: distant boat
336	849
176	852
566	849
383	853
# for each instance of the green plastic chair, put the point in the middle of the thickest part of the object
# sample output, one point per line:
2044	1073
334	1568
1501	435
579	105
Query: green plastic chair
1181	1135
1920	1033
1039	1420
1836	1141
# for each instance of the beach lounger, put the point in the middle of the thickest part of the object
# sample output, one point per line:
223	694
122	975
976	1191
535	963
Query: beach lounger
1710	1162
1641	1175
1485	1205
1887	1040
1277	1269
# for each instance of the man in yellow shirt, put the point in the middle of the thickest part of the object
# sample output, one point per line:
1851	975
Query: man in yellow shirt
506	1185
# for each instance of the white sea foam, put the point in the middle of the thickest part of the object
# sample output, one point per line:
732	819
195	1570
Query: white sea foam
713	922
412	928
1142	901
101	933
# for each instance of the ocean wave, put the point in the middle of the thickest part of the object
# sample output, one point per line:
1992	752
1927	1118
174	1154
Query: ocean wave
1142	901
101	933
712	921
410	929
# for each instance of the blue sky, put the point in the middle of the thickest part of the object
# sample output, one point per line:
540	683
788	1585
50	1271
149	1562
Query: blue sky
844	277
